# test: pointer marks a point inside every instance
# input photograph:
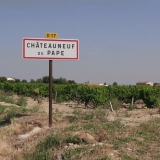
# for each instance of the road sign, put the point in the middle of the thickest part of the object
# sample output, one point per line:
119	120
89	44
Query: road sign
51	35
50	49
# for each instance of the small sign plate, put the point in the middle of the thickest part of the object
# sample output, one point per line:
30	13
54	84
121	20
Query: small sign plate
51	35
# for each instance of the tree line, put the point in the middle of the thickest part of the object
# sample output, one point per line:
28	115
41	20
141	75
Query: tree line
44	79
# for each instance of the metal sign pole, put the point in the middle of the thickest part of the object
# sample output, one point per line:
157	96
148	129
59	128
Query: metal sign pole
50	35
50	93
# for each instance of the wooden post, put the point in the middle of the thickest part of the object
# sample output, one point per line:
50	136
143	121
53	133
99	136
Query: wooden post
111	106
132	101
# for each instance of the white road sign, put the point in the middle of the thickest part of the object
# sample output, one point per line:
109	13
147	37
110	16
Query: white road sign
50	49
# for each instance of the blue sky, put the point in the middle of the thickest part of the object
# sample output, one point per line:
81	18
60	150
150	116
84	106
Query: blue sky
119	40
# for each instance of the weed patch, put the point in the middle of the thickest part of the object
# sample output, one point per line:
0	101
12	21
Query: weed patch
72	118
88	116
3	108
9	112
91	127
73	139
127	157
43	149
141	151
72	152
22	102
113	126
10	100
35	109
147	135
72	128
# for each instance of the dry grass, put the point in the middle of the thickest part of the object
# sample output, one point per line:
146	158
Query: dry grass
123	134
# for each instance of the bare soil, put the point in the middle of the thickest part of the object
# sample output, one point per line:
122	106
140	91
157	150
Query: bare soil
12	148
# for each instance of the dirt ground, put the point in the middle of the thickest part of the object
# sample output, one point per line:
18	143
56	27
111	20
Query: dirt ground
11	147
128	117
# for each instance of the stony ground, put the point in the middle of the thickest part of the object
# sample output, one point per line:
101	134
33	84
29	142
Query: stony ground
27	130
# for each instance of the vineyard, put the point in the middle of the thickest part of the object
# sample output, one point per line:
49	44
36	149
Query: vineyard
97	95
79	133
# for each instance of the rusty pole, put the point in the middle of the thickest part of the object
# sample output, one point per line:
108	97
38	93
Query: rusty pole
50	35
50	93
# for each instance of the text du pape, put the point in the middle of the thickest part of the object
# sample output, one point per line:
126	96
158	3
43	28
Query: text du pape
53	52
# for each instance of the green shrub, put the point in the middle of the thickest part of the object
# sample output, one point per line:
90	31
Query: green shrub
22	102
2	98
24	110
35	109
10	100
2	109
157	102
116	104
43	151
131	107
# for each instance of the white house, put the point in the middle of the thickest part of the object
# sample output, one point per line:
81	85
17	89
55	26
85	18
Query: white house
145	83
101	84
10	79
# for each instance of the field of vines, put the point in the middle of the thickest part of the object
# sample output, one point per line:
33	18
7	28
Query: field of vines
97	95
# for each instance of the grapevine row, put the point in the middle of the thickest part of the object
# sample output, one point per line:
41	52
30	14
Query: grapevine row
98	95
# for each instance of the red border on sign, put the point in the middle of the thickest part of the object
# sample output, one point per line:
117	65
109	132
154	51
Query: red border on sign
46	39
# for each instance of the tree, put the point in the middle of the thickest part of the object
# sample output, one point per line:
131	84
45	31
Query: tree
60	81
39	80
3	79
45	79
71	82
156	84
17	80
32	81
86	82
115	84
24	80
